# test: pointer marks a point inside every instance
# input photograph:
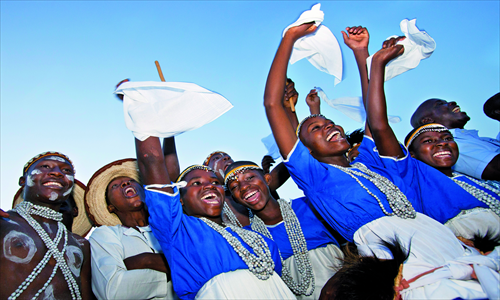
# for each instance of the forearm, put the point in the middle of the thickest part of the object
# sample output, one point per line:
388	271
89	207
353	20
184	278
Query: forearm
492	170
171	159
152	162
361	54
292	117
279	176
153	261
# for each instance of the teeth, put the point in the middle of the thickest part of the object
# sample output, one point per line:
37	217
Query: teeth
52	183
331	135
442	153
209	195
456	109
250	195
129	189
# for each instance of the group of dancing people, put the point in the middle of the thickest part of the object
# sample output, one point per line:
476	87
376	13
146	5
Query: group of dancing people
378	220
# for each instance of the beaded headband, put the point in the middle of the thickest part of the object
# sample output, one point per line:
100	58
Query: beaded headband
45	154
207	160
231	175
304	120
192	168
424	128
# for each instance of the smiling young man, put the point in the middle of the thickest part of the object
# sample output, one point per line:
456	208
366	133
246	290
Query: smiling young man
479	156
40	255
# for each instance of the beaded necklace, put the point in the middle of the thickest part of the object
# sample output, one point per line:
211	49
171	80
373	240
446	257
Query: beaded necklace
25	209
299	247
261	263
398	202
492	202
233	220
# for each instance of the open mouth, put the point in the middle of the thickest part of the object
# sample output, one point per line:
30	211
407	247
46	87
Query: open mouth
251	197
53	184
456	110
334	136
130	192
441	154
211	198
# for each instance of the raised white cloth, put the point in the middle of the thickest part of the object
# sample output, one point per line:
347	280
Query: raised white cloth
351	106
431	245
165	109
418	45
478	220
321	48
271	146
110	245
325	261
242	284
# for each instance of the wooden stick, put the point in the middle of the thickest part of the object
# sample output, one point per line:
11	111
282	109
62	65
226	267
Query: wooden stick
159	70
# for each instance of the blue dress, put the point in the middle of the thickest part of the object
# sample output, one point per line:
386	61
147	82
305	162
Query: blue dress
338	197
195	252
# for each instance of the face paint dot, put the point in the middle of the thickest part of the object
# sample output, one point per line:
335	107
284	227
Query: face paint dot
74	257
29	181
36	171
68	191
71	178
56	158
53	196
48	294
18	247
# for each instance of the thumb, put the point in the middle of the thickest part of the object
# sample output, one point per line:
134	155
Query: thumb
344	35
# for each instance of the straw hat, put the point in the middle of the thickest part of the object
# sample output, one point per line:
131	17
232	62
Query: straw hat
95	195
81	223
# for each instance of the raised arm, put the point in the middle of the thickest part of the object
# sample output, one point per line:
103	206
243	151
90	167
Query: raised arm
313	102
376	108
171	159
357	39
283	131
151	162
291	95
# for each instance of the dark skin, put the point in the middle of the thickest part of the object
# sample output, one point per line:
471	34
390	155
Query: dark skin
437	149
49	181
441	112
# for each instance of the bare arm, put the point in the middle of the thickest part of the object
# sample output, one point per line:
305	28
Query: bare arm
376	109
152	162
291	95
154	261
171	159
283	132
313	102
85	274
492	170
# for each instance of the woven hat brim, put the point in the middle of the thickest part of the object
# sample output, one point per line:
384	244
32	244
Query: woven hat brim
81	223
95	195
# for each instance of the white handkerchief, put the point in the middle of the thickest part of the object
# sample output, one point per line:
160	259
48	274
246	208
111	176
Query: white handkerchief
418	45
321	48
351	106
271	146
166	109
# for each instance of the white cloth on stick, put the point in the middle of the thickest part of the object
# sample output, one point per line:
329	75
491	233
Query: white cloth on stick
165	109
418	45
321	48
351	106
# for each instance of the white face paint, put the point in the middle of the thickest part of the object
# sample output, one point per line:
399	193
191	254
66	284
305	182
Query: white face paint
53	196
16	241
48	294
29	181
56	158
68	191
70	178
10	221
74	257
47	226
36	171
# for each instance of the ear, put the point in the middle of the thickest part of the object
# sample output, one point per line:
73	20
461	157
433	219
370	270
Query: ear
268	178
111	208
22	181
74	212
427	120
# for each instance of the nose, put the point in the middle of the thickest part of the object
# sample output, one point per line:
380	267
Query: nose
452	103
56	171
125	183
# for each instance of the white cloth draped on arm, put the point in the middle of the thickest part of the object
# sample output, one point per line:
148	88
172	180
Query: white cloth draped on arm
165	109
418	45
321	48
351	106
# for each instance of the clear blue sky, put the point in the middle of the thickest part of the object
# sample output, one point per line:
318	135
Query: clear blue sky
60	61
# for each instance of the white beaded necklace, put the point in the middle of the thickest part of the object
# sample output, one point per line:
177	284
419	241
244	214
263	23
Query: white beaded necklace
233	220
25	209
261	263
492	202
398	202
299	247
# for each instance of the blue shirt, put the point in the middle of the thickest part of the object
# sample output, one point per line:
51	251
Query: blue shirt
195	252
315	233
338	197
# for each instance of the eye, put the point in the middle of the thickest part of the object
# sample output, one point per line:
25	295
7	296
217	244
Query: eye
114	186
68	170
45	166
233	187
216	182
426	141
195	183
449	138
316	127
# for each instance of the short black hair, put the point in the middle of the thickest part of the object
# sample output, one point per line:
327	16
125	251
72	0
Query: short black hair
355	137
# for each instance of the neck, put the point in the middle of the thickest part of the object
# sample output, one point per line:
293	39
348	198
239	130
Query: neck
217	220
335	160
446	171
134	219
271	213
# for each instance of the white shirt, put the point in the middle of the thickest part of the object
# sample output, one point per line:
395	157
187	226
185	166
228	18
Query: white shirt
110	245
475	152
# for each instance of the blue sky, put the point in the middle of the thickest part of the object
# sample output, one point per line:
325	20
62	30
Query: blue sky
60	61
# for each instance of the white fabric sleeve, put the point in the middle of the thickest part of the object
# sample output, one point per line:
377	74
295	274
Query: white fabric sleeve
110	277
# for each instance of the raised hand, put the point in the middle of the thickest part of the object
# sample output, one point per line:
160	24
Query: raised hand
389	51
313	102
291	94
267	162
302	30
356	37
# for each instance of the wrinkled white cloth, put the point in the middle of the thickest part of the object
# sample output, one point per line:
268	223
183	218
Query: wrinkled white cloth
351	106
165	109
271	146
321	48
418	45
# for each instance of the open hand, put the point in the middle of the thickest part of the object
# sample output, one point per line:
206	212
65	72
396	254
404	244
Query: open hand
302	30
356	37
389	51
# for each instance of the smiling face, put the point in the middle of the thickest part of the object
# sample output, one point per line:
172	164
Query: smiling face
437	149
439	111
49	180
323	138
124	194
203	195
251	189
219	163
